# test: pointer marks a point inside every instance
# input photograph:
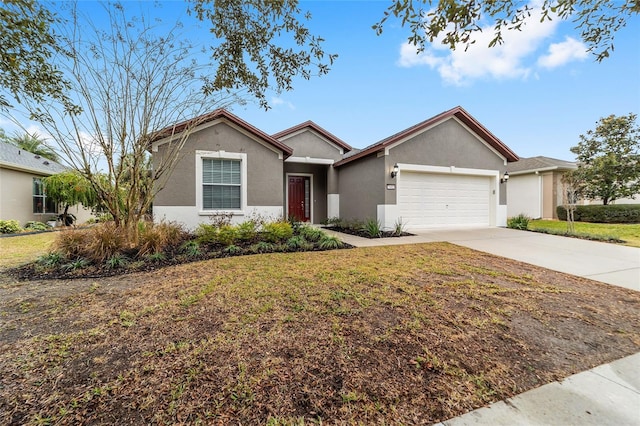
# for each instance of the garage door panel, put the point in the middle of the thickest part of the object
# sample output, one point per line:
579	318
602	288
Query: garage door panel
431	200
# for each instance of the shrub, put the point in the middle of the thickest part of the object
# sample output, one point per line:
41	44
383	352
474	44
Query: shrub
372	228
50	259
71	243
262	247
298	242
399	227
329	242
613	213
311	233
232	250
276	232
105	241
74	265
9	227
191	248
247	230
156	257
117	261
519	222
155	238
224	234
36	226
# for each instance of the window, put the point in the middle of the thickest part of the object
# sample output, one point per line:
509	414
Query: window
221	184
41	203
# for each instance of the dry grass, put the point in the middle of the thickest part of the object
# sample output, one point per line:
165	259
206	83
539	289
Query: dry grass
387	335
22	249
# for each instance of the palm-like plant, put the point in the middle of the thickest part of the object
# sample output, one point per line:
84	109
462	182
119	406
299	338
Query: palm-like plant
34	143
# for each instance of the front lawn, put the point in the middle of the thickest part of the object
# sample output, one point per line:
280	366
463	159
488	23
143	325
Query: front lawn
19	249
410	334
629	233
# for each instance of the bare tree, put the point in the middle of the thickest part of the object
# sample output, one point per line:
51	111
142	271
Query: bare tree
572	188
129	78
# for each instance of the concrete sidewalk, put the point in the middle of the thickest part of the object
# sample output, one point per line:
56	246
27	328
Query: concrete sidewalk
605	395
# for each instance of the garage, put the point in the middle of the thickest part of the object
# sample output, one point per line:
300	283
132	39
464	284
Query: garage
428	200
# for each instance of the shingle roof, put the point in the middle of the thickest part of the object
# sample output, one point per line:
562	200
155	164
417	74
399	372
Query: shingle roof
539	163
457	112
16	158
311	125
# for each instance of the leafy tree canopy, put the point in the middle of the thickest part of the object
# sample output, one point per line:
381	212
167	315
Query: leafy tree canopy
254	52
28	53
609	159
455	22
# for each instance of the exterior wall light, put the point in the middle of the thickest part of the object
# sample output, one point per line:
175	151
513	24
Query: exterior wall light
395	171
505	177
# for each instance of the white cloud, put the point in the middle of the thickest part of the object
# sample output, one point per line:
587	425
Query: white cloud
561	53
509	60
275	101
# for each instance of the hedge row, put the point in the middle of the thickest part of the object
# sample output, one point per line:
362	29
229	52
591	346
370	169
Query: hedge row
615	213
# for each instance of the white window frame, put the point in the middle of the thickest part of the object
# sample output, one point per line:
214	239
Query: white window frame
221	155
43	197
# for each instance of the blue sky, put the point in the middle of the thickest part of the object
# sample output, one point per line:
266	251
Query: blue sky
536	103
537	93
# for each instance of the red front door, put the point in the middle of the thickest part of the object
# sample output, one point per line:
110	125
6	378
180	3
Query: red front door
299	202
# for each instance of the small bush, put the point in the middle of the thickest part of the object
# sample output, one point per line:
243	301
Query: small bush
50	260
71	243
311	233
191	248
227	235
329	242
262	247
156	257
232	250
613	213
373	228
399	227
298	242
276	232
105	241
117	261
79	263
36	226
156	238
9	227
519	222
247	230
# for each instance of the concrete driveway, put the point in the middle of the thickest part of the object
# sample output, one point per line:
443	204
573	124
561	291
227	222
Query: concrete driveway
605	262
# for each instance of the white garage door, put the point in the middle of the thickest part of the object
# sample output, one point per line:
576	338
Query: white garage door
429	200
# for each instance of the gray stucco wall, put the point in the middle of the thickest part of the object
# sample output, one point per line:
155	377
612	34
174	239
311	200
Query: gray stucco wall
319	173
264	168
309	144
447	144
362	188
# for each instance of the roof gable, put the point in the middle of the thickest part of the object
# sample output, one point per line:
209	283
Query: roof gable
310	125
16	158
458	113
219	114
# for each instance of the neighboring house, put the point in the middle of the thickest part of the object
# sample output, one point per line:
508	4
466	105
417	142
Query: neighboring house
535	186
449	173
22	196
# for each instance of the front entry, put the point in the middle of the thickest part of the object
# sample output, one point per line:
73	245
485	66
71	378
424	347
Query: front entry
299	198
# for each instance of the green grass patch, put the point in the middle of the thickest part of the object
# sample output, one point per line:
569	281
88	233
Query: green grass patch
629	233
23	249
